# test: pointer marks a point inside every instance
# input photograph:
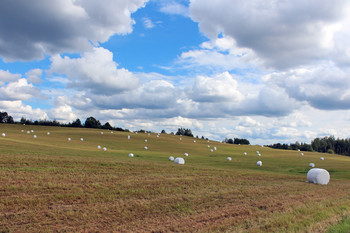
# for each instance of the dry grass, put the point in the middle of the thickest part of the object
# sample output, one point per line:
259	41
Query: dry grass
51	185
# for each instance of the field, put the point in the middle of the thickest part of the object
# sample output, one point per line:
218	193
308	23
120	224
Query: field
49	183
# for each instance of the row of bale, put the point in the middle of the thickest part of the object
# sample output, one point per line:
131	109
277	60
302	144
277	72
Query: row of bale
314	175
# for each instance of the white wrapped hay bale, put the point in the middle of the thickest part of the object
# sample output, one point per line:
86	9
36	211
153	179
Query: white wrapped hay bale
257	152
35	136
179	160
48	133
128	137
322	158
32	131
146	148
298	149
301	154
211	150
214	147
104	149
194	141
171	158
245	153
259	163
98	147
311	165
131	155
3	134
28	132
186	154
101	133
22	130
229	158
69	139
81	139
180	139
145	140
318	176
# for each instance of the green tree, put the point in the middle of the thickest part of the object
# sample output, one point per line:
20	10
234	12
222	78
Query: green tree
91	122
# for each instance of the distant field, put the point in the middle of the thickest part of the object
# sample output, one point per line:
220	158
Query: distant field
49	183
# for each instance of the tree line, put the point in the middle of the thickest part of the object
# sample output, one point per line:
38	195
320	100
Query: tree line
328	144
237	141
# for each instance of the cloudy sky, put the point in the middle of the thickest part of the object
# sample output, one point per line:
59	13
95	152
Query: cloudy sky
266	70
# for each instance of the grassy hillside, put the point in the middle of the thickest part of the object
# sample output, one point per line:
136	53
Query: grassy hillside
49	183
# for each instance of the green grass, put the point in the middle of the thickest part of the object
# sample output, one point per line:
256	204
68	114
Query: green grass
342	226
52	184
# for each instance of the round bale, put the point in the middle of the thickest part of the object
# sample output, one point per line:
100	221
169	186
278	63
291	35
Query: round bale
259	163
131	155
311	165
318	176
179	160
229	158
171	158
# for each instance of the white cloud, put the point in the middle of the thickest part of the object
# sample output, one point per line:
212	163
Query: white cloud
284	33
221	88
147	22
95	72
17	109
29	30
34	75
6	77
174	8
19	90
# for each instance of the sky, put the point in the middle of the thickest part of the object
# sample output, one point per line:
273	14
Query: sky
265	70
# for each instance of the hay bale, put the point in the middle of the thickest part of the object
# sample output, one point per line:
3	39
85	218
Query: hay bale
186	154
211	150
194	141
28	132
32	131
180	139
81	139
128	137
98	147
179	160
318	176
214	147
145	140
311	165
69	139
35	136
229	158
322	158
146	148
3	134
301	154
245	153
22	130
101	133
208	146
48	133
171	158
104	149
131	155
259	163
298	149
259	154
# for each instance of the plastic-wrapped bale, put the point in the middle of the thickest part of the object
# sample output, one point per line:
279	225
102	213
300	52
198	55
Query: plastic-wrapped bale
32	131
194	141
171	158
301	154
98	147
298	149
146	148
322	158
101	132
186	154
81	139
69	139
145	140
128	137
259	163
104	149
179	160
311	165
211	150
214	147
3	134
318	176
48	133
245	153
229	158
257	152
180	139
35	136
28	132
131	155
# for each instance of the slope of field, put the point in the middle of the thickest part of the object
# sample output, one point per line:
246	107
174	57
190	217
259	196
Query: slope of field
50	183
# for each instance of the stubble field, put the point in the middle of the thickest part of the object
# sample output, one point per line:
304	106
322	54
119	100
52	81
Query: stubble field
49	183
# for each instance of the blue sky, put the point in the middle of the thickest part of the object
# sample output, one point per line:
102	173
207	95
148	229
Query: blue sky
268	71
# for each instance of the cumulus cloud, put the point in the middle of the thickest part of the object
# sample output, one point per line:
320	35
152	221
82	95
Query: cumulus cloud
95	72
17	109
19	90
6	77
324	86
147	22
284	33
34	75
29	30
221	88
